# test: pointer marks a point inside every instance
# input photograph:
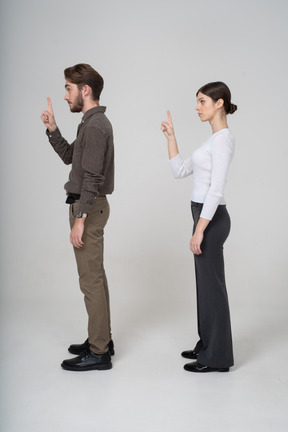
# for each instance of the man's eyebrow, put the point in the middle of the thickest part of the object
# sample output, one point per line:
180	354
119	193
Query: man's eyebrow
67	85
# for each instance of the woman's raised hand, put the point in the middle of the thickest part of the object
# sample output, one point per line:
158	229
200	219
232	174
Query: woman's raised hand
167	127
168	130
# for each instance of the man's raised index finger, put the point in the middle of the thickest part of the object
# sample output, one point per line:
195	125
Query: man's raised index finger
169	117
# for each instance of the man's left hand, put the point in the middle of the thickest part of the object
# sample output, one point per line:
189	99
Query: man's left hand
77	233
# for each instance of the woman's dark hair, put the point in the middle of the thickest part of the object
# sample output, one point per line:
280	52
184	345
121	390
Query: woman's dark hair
83	74
218	90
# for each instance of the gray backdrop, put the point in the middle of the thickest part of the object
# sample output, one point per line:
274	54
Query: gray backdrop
153	55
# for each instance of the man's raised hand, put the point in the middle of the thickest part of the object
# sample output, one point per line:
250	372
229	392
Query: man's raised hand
48	117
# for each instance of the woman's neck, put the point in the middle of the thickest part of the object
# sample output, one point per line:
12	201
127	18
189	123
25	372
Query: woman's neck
218	124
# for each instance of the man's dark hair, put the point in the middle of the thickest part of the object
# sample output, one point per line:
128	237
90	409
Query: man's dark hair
83	74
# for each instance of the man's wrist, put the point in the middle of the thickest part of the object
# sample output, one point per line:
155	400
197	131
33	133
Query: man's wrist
81	215
52	128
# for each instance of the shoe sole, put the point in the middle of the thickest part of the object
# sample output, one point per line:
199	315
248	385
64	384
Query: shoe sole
87	368
207	371
215	370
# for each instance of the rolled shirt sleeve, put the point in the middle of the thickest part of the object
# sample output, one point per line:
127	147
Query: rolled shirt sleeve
92	164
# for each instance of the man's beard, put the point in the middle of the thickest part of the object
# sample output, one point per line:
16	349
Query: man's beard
78	104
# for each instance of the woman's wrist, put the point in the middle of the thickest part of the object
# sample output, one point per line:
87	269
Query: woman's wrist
201	225
171	139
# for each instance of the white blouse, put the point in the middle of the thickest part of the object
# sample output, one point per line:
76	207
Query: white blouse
209	164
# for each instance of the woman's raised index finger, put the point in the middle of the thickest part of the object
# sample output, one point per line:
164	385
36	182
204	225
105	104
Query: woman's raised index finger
49	103
169	116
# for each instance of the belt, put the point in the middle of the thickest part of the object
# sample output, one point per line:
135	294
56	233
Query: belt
71	198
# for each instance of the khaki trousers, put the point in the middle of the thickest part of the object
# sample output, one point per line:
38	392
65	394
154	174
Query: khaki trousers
92	277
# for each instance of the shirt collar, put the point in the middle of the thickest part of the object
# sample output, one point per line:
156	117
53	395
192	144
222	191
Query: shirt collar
92	111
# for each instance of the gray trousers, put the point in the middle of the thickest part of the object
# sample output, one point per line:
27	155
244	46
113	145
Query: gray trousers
92	277
214	327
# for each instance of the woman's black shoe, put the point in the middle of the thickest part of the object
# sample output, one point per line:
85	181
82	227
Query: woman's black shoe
192	354
197	367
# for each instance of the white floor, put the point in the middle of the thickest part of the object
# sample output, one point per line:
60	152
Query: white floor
147	390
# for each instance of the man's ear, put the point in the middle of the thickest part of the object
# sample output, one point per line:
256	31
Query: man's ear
87	91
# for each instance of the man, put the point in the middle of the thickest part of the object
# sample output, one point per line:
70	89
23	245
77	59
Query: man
90	180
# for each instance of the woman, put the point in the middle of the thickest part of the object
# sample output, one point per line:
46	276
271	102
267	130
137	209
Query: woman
209	165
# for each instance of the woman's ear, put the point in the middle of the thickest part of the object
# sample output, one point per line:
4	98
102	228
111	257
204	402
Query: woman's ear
220	103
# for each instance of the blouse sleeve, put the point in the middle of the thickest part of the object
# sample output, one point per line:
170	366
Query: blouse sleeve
181	168
222	150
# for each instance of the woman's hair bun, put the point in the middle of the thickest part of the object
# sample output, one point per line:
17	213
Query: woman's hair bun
233	108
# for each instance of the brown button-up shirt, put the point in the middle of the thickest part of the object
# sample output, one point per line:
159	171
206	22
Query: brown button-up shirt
91	155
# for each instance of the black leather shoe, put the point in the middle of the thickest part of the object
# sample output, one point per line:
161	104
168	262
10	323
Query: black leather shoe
192	354
88	361
197	367
79	349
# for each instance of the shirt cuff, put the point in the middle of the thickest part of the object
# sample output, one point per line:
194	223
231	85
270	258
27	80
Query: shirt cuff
86	204
53	135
